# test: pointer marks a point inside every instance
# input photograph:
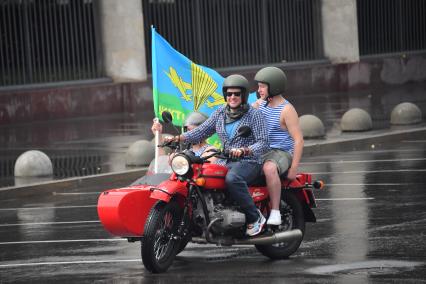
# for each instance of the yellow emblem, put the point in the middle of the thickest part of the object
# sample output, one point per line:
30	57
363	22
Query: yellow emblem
203	87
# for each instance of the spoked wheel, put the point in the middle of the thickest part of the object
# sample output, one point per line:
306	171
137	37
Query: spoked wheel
292	218
186	238
160	244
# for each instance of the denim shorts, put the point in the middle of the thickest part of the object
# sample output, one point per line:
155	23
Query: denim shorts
281	158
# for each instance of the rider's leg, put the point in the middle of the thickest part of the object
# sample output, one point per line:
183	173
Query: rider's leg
239	174
273	183
276	163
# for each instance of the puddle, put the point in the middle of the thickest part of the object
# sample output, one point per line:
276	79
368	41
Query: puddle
372	267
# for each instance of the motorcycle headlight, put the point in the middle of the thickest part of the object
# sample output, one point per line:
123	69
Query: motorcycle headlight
180	165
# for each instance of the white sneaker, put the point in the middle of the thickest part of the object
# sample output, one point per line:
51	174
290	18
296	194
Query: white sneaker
274	218
256	227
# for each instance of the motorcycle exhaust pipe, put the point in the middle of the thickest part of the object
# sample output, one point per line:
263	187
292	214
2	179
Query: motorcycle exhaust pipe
280	237
287	236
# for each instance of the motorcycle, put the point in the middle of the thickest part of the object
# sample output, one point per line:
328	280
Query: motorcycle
165	212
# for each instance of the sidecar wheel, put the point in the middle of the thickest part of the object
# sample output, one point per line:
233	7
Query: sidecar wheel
292	218
159	246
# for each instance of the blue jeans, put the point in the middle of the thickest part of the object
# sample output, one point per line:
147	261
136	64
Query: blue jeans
239	175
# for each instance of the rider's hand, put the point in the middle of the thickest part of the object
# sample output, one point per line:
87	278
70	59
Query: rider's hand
291	174
156	126
169	139
236	153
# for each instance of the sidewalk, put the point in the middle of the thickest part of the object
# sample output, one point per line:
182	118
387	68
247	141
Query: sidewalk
97	145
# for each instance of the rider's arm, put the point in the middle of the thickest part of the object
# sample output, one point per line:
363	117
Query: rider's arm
290	119
201	132
156	126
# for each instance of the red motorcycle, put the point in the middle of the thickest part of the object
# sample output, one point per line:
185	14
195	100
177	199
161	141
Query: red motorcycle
165	212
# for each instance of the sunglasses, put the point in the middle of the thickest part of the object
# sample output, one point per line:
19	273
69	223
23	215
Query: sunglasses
237	94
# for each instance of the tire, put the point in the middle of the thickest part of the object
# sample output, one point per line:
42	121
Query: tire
292	218
186	239
182	244
158	248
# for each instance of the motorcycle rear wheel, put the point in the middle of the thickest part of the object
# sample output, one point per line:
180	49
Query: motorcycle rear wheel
159	245
292	218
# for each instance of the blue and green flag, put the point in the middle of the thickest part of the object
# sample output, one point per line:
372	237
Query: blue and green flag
180	86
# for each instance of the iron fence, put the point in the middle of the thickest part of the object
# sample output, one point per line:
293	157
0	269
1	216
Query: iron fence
386	26
49	41
66	165
224	33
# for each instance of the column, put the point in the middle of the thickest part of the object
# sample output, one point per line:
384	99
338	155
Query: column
340	30
123	40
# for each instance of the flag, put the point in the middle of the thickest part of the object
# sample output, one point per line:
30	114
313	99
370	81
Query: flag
180	86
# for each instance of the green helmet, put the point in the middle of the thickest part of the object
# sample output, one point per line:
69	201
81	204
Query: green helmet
275	78
236	81
195	118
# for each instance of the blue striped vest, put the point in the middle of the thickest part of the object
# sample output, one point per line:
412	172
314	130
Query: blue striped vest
278	138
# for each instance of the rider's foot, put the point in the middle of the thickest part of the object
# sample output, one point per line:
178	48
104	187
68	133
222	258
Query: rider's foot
274	218
256	227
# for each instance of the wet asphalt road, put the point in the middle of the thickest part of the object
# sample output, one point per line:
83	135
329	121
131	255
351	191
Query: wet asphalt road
371	229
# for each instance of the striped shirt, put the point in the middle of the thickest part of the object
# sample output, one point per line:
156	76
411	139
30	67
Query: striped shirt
278	137
257	142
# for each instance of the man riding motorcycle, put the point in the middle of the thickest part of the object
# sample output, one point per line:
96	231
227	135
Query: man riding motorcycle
225	122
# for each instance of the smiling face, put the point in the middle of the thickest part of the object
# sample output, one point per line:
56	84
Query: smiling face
233	97
262	89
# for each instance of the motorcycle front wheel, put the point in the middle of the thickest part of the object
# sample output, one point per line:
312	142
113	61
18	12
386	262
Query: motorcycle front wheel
159	245
292	218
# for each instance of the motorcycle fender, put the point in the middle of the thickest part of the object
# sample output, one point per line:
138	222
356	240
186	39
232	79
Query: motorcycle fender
167	189
309	214
306	199
123	212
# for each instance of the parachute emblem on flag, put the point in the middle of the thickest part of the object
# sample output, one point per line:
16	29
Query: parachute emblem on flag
201	91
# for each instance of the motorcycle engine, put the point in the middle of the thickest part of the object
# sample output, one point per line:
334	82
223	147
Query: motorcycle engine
228	219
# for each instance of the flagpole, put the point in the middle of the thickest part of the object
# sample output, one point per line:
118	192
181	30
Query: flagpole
157	150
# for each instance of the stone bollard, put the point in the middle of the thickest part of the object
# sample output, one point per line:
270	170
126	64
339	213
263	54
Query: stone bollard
406	113
140	153
33	163
311	126
356	119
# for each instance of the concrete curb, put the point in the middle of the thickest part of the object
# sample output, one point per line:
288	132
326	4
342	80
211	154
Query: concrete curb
361	141
356	141
107	181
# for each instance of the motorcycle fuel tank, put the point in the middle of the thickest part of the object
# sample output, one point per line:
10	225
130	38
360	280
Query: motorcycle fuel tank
214	176
123	211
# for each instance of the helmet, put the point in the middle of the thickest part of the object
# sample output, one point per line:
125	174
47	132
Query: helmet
236	81
195	118
275	78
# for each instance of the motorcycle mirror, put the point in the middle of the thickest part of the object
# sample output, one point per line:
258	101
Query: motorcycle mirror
244	131
167	117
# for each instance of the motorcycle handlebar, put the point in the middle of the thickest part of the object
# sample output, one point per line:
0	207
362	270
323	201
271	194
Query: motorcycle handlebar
170	144
221	154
